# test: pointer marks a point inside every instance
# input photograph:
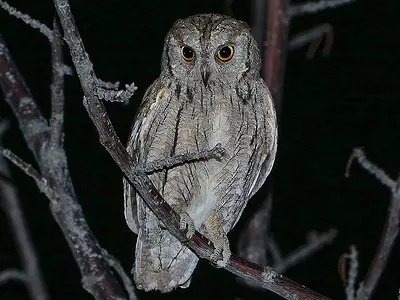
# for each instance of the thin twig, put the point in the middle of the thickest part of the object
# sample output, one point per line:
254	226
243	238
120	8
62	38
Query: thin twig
304	251
313	37
314	7
27	20
217	152
12	274
352	274
264	276
358	153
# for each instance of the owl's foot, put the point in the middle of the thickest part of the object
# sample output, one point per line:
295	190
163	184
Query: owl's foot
187	223
217	235
221	248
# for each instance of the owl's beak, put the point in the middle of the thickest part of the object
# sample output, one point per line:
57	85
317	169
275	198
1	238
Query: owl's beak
205	75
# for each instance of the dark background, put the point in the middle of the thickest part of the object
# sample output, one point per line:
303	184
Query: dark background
330	105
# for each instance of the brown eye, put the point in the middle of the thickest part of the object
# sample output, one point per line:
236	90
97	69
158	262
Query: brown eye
225	53
187	53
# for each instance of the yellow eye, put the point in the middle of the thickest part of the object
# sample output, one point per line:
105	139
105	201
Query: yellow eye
225	53
187	53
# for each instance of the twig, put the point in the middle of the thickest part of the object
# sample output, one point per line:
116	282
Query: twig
314	37
314	7
352	274
64	205
373	169
26	168
316	242
12	274
264	276
27	20
216	152
390	231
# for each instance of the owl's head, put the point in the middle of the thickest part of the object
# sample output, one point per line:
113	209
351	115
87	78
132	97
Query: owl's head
210	48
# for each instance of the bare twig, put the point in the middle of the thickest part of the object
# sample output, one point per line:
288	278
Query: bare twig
373	169
314	7
313	245
32	275
390	231
263	276
217	152
27	20
352	274
12	274
313	37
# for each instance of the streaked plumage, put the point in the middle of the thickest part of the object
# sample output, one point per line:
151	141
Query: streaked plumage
194	105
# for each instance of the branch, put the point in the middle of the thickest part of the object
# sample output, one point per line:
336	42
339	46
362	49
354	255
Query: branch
314	7
390	231
275	49
64	205
263	276
57	88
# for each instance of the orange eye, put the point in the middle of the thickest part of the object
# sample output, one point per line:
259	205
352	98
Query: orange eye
225	53
187	53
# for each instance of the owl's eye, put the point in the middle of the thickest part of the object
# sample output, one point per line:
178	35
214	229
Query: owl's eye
187	53
225	53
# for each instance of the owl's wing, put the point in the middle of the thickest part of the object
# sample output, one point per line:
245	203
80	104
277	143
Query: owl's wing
266	146
133	148
269	145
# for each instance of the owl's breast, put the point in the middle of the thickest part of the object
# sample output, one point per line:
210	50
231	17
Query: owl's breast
200	125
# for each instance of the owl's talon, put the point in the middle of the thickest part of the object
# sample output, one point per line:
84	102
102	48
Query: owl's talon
186	222
221	249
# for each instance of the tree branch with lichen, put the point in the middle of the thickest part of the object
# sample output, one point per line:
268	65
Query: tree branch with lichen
263	276
45	142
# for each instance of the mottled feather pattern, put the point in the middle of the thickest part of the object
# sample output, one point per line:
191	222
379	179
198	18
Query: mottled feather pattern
181	113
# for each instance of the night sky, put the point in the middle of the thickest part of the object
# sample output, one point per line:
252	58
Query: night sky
330	105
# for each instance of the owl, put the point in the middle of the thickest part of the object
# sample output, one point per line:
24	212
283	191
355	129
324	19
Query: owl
209	92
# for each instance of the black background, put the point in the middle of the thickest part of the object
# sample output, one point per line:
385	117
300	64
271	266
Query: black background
330	105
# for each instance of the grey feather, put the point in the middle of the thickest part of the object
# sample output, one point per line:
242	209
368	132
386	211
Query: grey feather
180	112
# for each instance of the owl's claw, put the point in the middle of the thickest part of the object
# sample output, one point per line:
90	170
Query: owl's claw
221	248
186	222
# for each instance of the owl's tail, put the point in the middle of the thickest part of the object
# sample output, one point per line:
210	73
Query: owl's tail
162	263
